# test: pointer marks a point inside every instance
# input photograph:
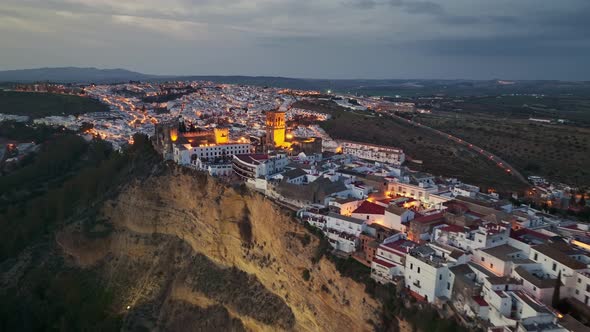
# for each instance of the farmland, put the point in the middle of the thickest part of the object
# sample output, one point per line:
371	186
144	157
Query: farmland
558	152
440	156
39	105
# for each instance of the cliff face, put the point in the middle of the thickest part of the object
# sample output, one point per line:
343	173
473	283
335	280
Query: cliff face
187	253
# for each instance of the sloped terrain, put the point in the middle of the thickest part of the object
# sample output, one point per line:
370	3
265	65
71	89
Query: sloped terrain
186	253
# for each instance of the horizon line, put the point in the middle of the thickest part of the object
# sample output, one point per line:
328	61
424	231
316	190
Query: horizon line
289	77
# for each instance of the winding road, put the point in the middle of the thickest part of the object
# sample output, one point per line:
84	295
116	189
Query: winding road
500	163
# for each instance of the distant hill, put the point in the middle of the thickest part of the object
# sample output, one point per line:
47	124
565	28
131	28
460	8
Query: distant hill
375	87
71	75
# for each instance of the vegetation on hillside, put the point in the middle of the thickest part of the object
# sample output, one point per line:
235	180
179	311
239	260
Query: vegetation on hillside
575	109
439	156
39	105
67	176
57	299
66	179
559	152
23	132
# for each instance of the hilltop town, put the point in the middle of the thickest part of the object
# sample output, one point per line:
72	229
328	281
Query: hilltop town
496	264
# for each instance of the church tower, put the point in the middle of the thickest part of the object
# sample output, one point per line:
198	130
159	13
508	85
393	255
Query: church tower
275	128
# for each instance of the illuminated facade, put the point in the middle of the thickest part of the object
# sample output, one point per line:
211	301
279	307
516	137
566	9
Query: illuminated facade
275	128
379	153
221	135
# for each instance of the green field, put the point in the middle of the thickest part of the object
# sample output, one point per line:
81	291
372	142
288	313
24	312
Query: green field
558	152
440	156
574	109
39	105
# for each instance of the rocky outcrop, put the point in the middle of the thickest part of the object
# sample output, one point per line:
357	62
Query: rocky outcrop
186	251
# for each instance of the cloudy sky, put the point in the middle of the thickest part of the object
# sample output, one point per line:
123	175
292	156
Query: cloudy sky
481	39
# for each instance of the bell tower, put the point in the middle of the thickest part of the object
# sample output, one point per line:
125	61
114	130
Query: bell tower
275	128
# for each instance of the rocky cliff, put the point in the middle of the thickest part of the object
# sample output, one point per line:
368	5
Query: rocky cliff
183	252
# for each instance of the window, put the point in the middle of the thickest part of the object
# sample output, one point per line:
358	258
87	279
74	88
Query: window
554	267
536	257
483	259
491	266
411	266
440	277
587	288
534	288
577	292
418	269
579	280
448	286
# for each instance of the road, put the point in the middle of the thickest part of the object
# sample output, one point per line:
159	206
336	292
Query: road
500	163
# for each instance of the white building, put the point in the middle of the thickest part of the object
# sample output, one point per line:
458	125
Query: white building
397	218
340	223
345	206
390	258
219	168
342	231
427	271
252	166
570	264
487	235
426	194
370	212
184	154
500	260
379	153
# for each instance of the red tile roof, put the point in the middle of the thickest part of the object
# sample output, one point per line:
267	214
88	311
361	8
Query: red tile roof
399	247
383	263
480	301
525	231
370	208
429	218
453	228
416	295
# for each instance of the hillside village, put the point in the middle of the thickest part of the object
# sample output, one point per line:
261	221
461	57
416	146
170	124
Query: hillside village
500	266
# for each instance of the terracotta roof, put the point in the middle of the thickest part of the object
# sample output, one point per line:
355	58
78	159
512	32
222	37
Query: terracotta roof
383	263
429	218
397	210
480	301
370	208
453	228
399	247
528	235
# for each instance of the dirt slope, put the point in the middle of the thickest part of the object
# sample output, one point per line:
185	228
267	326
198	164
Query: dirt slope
187	253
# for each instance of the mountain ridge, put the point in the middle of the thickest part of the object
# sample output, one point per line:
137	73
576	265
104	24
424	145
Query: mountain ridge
376	87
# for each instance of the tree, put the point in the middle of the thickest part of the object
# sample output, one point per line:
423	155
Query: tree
555	300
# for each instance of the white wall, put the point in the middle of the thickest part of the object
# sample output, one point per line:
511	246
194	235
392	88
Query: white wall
345	226
433	281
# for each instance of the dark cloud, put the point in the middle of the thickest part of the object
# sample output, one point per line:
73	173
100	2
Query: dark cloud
501	46
304	38
409	6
